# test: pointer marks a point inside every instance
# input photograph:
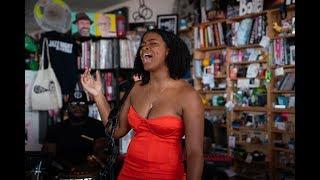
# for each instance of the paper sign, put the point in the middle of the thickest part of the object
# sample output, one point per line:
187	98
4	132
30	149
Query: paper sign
279	71
265	41
232	141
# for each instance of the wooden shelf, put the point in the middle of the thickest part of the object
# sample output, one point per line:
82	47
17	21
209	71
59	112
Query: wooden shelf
250	129
220	125
238	18
212	48
273	15
251	144
215	108
289	8
247	62
282	92
283	149
185	30
212	92
281	131
288	110
248	46
234	79
220	77
250	108
107	70
252	162
212	22
284	168
284	36
284	66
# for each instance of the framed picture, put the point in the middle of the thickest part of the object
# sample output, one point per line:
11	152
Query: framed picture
142	26
168	22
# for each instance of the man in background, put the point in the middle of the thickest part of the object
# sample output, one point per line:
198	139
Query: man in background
73	141
83	23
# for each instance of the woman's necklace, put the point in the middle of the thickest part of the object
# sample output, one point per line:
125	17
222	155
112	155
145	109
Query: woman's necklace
150	104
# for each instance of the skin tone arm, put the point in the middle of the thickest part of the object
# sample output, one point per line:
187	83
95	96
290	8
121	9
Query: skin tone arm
94	88
193	115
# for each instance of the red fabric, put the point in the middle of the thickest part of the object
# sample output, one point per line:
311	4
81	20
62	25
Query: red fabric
155	151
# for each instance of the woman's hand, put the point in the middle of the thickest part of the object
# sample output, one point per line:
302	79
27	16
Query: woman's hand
92	86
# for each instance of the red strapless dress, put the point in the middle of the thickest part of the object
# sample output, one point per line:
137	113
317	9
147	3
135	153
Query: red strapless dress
155	151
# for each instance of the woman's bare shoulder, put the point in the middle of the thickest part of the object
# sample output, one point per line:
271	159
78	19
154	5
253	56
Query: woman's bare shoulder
187	94
185	88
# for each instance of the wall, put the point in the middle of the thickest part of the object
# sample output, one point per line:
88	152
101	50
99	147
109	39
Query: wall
157	7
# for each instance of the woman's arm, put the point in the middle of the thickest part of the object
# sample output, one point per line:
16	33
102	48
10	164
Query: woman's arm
94	88
193	117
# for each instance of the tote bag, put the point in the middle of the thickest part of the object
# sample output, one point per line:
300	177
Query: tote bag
46	91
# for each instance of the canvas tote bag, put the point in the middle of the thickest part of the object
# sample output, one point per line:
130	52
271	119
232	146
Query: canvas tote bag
46	91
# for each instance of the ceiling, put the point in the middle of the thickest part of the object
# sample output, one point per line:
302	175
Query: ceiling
74	5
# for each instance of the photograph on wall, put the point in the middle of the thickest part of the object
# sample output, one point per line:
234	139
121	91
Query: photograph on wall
168	22
105	25
82	24
142	26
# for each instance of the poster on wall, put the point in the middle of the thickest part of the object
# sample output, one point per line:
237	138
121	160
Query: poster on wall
31	133
168	22
105	25
29	80
82	24
85	24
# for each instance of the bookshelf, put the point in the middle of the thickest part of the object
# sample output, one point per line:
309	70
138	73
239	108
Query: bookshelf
272	72
282	120
210	59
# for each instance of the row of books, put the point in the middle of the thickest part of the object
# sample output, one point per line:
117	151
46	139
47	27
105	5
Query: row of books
249	30
209	36
282	51
287	83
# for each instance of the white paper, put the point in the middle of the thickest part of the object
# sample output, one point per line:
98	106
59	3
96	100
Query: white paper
243	83
279	71
265	41
32	131
232	141
280	125
254	53
28	83
256	83
291	103
253	70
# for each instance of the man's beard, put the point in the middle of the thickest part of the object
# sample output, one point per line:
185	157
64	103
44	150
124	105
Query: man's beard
84	32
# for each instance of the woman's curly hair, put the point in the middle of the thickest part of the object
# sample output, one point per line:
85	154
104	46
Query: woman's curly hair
178	59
